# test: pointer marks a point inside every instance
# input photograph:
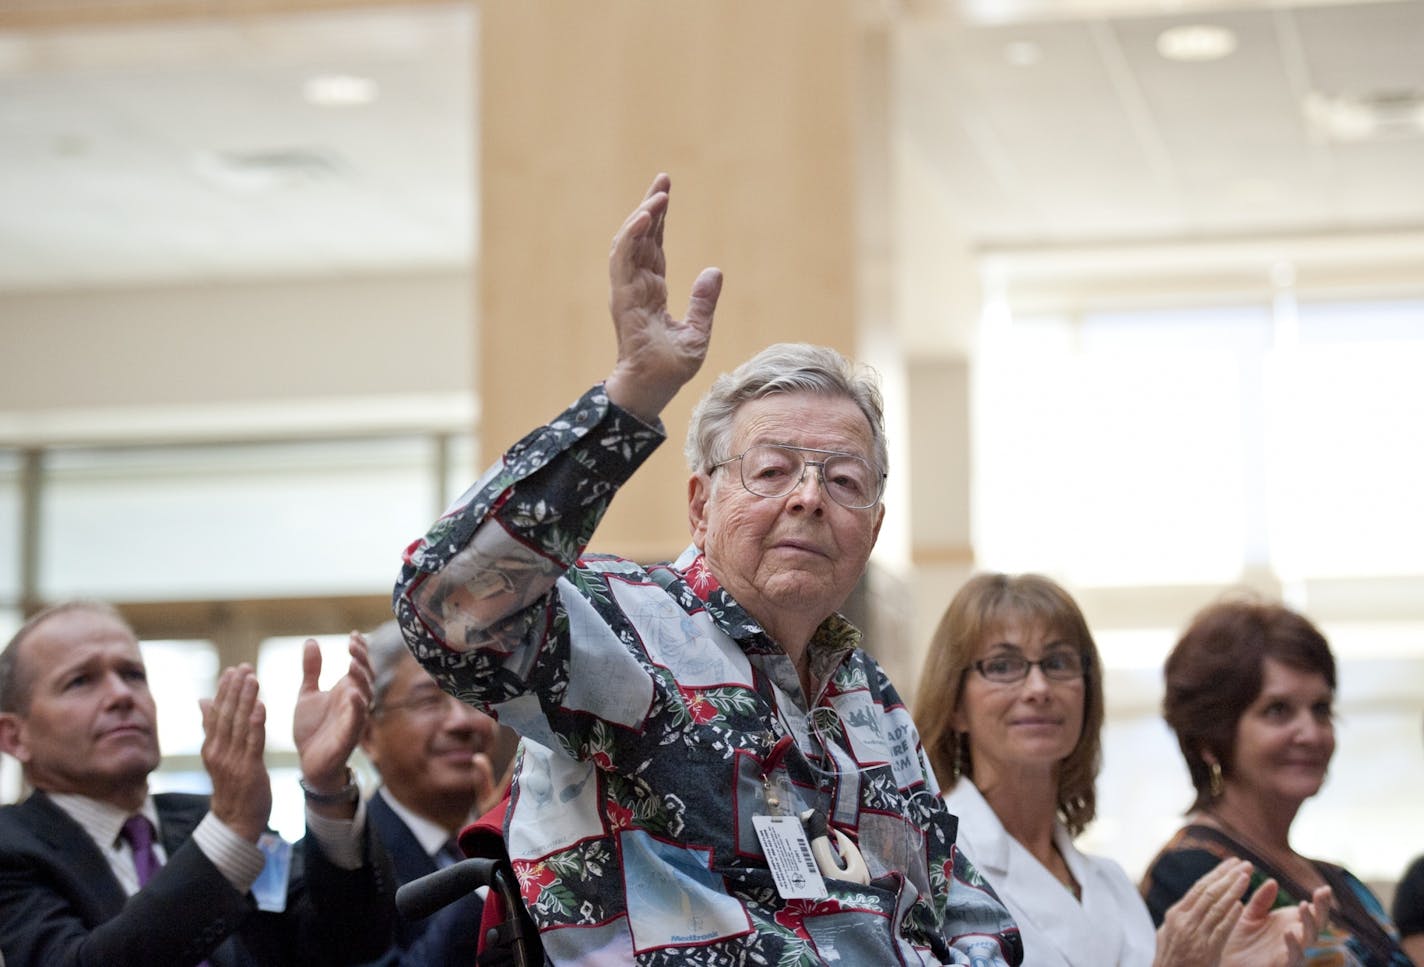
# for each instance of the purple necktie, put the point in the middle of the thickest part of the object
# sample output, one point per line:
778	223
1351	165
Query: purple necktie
139	832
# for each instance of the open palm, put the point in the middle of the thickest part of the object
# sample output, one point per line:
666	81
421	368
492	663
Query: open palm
327	725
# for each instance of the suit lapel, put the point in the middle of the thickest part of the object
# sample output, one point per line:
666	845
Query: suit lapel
91	878
407	855
178	816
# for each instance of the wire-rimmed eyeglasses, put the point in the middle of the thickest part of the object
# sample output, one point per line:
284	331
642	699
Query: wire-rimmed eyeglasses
424	704
774	470
1057	666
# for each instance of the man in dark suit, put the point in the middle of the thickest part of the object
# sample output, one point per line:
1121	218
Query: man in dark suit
436	758
79	881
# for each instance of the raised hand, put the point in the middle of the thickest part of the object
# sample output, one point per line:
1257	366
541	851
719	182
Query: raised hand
327	725
657	354
234	737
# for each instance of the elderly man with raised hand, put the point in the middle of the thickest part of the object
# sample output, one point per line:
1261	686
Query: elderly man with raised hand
95	870
719	774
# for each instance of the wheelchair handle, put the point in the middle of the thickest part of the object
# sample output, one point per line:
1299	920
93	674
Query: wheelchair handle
420	898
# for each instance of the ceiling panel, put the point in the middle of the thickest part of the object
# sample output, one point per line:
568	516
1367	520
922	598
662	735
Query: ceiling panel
186	151
183	150
1080	129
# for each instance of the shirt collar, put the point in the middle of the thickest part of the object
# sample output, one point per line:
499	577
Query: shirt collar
101	820
833	638
431	836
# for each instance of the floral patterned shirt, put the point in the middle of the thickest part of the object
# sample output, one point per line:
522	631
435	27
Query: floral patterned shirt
663	720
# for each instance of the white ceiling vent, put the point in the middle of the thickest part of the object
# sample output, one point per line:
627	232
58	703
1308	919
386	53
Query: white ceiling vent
1378	115
268	169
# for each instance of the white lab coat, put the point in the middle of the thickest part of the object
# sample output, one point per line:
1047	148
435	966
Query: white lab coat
1109	927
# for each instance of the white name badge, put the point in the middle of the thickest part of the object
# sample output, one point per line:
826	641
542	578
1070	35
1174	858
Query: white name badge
788	856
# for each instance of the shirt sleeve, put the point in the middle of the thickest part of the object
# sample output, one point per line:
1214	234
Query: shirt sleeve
1171	876
977	924
475	594
240	862
340	840
237	860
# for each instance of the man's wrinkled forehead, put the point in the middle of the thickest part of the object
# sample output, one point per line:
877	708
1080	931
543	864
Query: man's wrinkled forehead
71	637
56	642
780	418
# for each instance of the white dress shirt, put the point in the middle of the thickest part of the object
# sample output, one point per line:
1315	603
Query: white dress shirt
431	836
1110	926
238	860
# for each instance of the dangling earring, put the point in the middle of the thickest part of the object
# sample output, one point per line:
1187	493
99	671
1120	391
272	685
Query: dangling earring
961	743
1217	785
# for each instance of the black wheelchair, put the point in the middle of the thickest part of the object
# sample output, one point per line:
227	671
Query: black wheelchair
513	941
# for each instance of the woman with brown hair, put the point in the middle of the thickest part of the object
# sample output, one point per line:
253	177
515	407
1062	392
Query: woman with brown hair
1250	695
1010	711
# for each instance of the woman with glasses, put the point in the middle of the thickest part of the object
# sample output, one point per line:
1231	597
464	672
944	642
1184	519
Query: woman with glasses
1010	710
1250	695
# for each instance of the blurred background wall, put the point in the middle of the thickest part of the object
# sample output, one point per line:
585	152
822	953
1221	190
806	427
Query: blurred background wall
1145	283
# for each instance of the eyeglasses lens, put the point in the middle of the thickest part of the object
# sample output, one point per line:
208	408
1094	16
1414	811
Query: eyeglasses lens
1059	666
771	471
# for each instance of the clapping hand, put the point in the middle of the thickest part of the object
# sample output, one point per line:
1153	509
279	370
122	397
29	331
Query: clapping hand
327	725
1198	927
1276	938
1210	927
234	737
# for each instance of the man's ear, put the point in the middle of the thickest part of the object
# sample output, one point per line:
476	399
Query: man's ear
12	737
368	744
699	492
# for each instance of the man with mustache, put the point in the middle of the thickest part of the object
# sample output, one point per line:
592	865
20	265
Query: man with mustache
96	870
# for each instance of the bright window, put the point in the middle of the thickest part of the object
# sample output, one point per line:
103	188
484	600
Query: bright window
308	518
179	674
1116	450
1192	449
1346	467
1186	447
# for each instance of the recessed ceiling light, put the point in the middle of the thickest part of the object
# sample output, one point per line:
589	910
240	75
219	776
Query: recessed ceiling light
339	90
1196	42
254	172
1373	115
1023	53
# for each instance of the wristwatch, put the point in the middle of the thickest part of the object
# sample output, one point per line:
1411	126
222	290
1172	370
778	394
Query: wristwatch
347	793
